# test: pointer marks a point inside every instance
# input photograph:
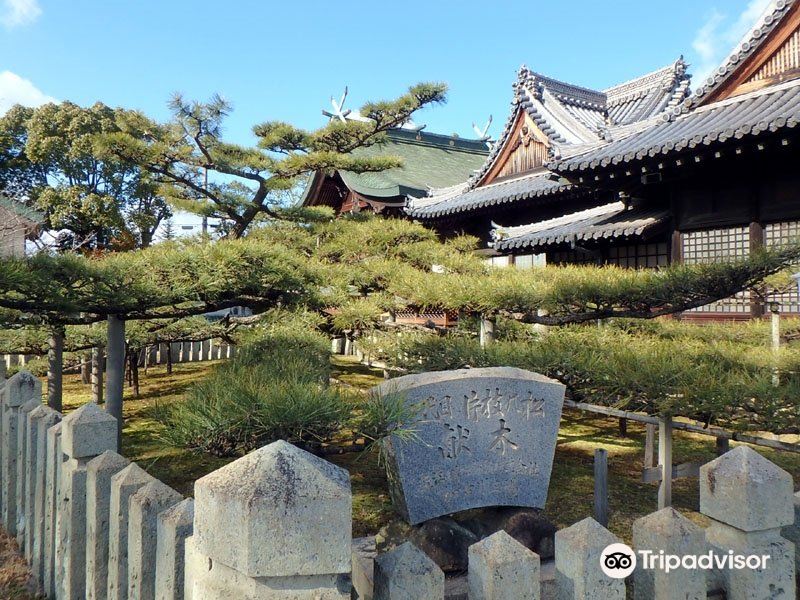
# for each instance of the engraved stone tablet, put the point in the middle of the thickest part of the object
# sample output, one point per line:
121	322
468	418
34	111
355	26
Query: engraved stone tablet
482	437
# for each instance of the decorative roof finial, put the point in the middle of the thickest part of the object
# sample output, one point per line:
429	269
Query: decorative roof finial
483	134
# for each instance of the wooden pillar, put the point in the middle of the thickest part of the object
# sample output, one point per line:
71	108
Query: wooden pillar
665	462
55	369
722	445
115	370
756	243
649	445
601	486
97	374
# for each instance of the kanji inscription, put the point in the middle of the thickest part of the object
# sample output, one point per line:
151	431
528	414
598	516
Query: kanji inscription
482	437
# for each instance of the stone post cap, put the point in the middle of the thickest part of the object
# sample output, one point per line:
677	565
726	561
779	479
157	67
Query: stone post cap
21	387
743	489
667	530
405	569
107	462
179	516
155	493
581	544
279	511
500	548
132	475
55	430
40	412
31	405
88	431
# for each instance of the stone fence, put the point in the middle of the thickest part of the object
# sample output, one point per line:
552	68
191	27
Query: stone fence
180	352
277	523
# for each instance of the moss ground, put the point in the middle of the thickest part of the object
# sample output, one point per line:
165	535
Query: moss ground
571	488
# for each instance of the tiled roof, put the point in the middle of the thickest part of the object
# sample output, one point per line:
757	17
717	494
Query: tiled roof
750	115
752	40
572	115
429	161
609	221
457	200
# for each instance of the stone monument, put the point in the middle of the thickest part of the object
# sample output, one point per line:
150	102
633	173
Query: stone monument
480	437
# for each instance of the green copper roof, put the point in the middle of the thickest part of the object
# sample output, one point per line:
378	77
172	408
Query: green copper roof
430	160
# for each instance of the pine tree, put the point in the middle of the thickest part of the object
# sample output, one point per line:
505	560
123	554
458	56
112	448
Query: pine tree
244	183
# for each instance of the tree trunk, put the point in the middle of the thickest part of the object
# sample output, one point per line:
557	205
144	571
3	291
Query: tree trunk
169	359
97	374
133	364
115	369
86	372
55	374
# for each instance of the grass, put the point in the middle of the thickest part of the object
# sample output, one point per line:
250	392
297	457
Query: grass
571	487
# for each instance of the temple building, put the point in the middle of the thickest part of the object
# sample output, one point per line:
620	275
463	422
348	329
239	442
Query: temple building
645	173
430	161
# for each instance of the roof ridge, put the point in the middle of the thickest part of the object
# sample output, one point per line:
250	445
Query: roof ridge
677	69
556	221
752	40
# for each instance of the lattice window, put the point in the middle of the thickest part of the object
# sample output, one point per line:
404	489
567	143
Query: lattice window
719	245
639	256
571	257
777	235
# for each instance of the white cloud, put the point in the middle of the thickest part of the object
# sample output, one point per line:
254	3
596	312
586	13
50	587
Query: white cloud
15	13
719	35
16	90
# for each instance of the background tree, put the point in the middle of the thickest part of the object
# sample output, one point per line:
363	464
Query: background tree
47	158
246	183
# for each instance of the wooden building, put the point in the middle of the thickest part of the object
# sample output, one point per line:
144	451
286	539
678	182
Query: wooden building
429	160
646	173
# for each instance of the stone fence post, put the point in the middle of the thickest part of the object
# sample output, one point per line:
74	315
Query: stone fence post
19	389
502	568
578	572
669	531
31	473
99	472
145	505
86	433
276	523
23	467
42	491
55	459
123	485
749	500
174	526
407	572
792	533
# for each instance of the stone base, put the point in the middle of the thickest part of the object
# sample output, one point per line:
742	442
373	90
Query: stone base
211	580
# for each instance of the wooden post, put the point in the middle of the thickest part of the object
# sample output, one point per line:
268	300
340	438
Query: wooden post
97	374
665	462
774	309
649	445
623	427
115	370
601	486
487	331
55	366
722	445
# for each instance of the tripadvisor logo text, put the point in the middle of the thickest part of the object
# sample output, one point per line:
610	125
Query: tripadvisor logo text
619	561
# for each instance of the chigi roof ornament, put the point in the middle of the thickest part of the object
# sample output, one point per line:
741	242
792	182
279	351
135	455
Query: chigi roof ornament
483	134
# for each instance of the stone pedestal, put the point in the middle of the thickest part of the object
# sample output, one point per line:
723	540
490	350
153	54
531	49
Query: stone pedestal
41	492
55	458
276	520
31	473
23	467
750	500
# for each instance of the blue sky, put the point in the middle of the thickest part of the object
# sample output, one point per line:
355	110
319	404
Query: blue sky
283	60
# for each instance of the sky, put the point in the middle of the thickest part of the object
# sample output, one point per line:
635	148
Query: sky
284	60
